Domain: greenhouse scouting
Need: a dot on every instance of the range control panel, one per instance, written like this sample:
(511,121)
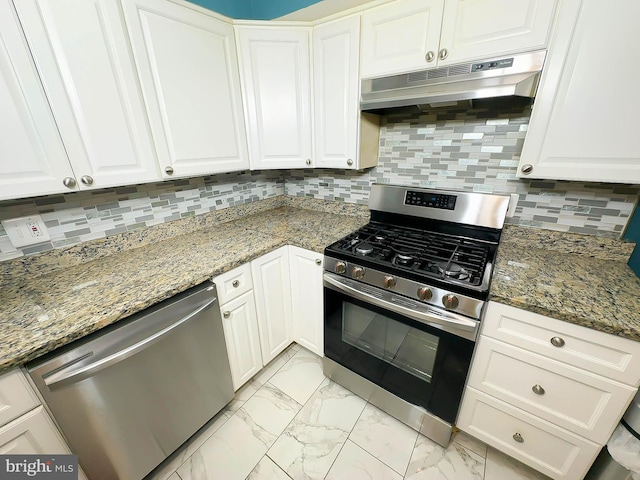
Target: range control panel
(432,200)
(504,63)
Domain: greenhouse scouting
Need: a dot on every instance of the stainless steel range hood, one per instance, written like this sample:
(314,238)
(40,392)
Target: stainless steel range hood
(514,75)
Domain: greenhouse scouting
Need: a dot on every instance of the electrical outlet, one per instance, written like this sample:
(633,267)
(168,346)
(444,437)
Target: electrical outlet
(26,231)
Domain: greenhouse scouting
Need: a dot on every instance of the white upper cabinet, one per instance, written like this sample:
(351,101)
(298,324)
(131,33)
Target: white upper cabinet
(473,29)
(585,123)
(408,35)
(33,160)
(85,64)
(399,36)
(338,125)
(276,78)
(187,65)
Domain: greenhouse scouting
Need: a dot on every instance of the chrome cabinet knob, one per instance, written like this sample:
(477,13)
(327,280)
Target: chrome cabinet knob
(308,162)
(340,267)
(389,281)
(425,293)
(527,169)
(538,390)
(357,273)
(168,170)
(430,56)
(349,162)
(69,182)
(557,342)
(226,314)
(518,438)
(235,283)
(444,53)
(450,301)
(318,261)
(86,180)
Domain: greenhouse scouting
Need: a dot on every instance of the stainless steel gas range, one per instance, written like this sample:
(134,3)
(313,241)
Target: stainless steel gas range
(403,298)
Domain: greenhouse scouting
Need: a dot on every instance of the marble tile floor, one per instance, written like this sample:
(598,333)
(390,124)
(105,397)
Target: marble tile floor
(290,422)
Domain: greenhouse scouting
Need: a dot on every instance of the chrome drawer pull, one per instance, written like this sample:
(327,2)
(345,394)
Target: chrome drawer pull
(235,283)
(518,438)
(538,390)
(557,342)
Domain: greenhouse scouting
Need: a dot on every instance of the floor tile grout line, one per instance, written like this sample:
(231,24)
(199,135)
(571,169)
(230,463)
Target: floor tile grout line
(293,419)
(381,461)
(415,445)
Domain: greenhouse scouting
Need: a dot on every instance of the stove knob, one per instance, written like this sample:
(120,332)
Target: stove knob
(357,273)
(424,294)
(450,301)
(340,267)
(389,281)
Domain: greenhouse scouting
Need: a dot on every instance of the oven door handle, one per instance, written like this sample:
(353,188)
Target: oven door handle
(452,323)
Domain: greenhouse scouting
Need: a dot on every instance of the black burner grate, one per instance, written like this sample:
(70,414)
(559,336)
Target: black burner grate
(433,254)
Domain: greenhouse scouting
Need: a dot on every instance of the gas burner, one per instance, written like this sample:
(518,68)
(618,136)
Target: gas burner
(379,237)
(452,270)
(404,260)
(364,249)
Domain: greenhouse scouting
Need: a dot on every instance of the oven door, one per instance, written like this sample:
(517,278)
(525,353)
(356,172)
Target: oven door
(411,350)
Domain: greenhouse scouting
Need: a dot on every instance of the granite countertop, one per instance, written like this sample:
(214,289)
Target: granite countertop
(40,314)
(576,278)
(580,279)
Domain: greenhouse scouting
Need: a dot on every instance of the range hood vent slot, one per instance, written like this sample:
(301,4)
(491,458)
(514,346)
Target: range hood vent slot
(517,75)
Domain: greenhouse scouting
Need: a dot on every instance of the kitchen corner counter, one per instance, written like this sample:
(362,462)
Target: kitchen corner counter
(589,285)
(41,313)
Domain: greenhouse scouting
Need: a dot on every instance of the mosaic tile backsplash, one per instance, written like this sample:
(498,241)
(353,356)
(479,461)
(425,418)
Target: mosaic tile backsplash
(476,150)
(74,218)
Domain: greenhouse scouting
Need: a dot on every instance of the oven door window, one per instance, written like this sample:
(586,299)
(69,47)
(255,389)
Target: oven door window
(419,363)
(407,348)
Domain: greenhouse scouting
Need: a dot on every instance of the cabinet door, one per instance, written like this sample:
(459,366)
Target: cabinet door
(16,396)
(585,120)
(33,160)
(277,86)
(87,69)
(306,298)
(336,92)
(188,68)
(398,37)
(32,433)
(476,29)
(272,290)
(241,335)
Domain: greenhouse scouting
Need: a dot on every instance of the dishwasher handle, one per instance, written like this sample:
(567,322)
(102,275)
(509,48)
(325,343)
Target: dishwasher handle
(66,377)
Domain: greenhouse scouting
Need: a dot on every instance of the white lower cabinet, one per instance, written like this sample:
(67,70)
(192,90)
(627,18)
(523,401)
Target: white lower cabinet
(272,288)
(547,392)
(241,334)
(306,298)
(25,426)
(541,445)
(269,303)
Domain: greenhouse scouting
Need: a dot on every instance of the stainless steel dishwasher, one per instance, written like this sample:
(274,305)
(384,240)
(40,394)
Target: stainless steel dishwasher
(127,396)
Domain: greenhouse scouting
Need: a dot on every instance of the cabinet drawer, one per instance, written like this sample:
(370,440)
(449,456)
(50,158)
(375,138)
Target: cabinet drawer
(234,283)
(514,375)
(16,396)
(607,355)
(551,450)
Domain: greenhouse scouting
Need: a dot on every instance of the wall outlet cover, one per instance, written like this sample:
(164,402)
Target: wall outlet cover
(25,231)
